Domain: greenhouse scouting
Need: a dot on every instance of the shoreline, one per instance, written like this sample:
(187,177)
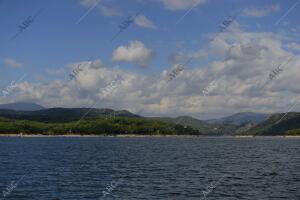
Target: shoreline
(74,135)
(143,136)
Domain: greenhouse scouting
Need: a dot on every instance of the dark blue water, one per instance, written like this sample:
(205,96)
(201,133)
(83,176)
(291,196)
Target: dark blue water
(150,168)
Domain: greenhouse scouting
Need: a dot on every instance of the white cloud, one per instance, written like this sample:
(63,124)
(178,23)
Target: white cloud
(240,65)
(136,53)
(13,63)
(182,4)
(143,21)
(261,12)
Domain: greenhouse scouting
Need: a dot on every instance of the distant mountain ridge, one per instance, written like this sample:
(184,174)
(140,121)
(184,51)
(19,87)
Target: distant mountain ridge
(278,124)
(241,118)
(203,126)
(22,106)
(64,114)
(238,124)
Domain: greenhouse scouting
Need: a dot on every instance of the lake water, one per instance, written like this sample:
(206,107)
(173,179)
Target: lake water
(174,168)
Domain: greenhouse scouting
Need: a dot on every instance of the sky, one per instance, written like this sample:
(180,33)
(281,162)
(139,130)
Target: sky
(152,57)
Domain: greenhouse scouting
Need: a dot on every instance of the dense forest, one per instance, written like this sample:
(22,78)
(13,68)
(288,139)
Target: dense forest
(95,126)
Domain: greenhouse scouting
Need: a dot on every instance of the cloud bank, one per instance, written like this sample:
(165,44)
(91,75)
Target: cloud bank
(238,62)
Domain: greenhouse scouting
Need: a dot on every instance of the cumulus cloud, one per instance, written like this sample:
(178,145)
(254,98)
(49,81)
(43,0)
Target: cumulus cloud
(13,63)
(239,69)
(182,5)
(143,21)
(135,52)
(261,12)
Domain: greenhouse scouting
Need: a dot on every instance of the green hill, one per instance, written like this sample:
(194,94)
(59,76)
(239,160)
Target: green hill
(96,126)
(274,126)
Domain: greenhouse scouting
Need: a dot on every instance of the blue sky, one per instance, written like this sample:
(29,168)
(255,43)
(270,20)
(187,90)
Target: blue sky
(48,48)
